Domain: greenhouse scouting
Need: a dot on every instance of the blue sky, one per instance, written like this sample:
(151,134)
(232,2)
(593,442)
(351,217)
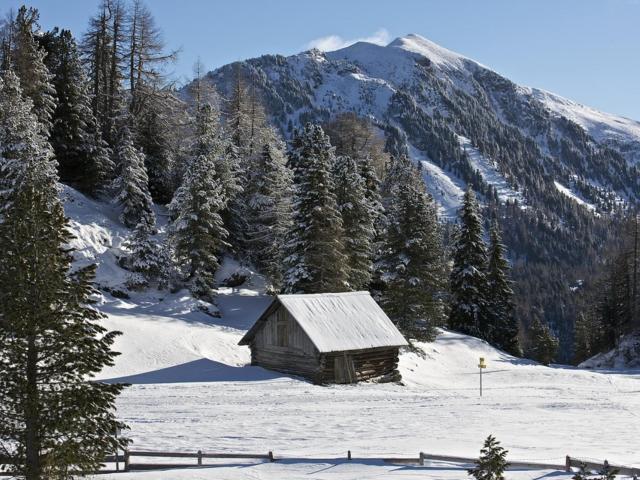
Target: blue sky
(586,50)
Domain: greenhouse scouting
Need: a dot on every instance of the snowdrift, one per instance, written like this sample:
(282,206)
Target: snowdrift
(624,356)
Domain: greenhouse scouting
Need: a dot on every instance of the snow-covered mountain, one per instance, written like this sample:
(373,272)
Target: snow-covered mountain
(430,96)
(550,168)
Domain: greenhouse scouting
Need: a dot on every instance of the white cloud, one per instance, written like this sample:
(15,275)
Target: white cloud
(336,42)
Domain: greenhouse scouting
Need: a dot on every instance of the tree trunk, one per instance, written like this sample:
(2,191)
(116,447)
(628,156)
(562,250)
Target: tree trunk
(33,468)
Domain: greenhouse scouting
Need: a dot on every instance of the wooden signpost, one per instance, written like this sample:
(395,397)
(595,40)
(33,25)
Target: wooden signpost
(481,366)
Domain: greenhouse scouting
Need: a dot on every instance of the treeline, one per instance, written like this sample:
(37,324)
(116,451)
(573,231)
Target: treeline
(612,300)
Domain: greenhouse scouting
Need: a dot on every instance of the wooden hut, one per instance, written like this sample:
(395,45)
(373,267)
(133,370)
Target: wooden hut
(327,338)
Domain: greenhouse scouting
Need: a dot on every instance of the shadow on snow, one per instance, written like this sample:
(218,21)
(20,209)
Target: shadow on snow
(203,370)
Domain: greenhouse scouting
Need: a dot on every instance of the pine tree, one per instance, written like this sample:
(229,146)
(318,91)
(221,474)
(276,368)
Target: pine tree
(587,337)
(492,462)
(20,139)
(83,157)
(27,60)
(468,283)
(198,232)
(53,420)
(148,259)
(372,192)
(211,140)
(502,326)
(315,260)
(543,345)
(413,259)
(607,472)
(269,211)
(132,183)
(358,220)
(582,473)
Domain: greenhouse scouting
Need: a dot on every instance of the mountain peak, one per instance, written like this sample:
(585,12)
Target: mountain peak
(422,46)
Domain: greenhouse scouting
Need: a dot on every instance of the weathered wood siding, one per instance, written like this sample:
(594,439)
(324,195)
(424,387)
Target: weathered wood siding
(351,367)
(283,346)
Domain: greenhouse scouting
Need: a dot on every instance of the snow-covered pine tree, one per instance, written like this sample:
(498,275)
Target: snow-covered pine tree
(358,220)
(197,231)
(53,420)
(83,156)
(501,325)
(27,60)
(492,462)
(21,140)
(132,183)
(211,140)
(372,191)
(148,259)
(315,260)
(468,282)
(269,210)
(543,344)
(413,260)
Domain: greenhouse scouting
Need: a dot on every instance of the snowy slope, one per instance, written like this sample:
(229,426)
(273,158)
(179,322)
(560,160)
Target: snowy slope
(625,356)
(574,196)
(193,389)
(603,127)
(446,189)
(489,171)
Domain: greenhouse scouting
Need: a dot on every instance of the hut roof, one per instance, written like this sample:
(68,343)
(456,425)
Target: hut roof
(337,322)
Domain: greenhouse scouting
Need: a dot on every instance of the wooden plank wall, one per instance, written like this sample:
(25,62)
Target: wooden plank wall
(366,364)
(299,356)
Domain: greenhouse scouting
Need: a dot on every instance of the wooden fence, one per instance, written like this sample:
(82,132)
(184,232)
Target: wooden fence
(199,456)
(569,463)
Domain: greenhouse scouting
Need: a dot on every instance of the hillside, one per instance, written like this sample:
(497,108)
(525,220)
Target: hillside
(189,373)
(551,169)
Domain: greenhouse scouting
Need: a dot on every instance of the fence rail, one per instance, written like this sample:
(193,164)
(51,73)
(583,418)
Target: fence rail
(199,456)
(569,463)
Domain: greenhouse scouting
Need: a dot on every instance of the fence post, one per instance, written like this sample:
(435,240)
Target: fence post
(126,460)
(567,464)
(271,456)
(199,458)
(348,454)
(421,458)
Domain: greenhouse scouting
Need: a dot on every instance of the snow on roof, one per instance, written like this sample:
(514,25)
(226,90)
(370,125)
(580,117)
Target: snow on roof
(337,322)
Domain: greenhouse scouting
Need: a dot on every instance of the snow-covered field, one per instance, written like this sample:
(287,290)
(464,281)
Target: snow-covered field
(192,390)
(216,404)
